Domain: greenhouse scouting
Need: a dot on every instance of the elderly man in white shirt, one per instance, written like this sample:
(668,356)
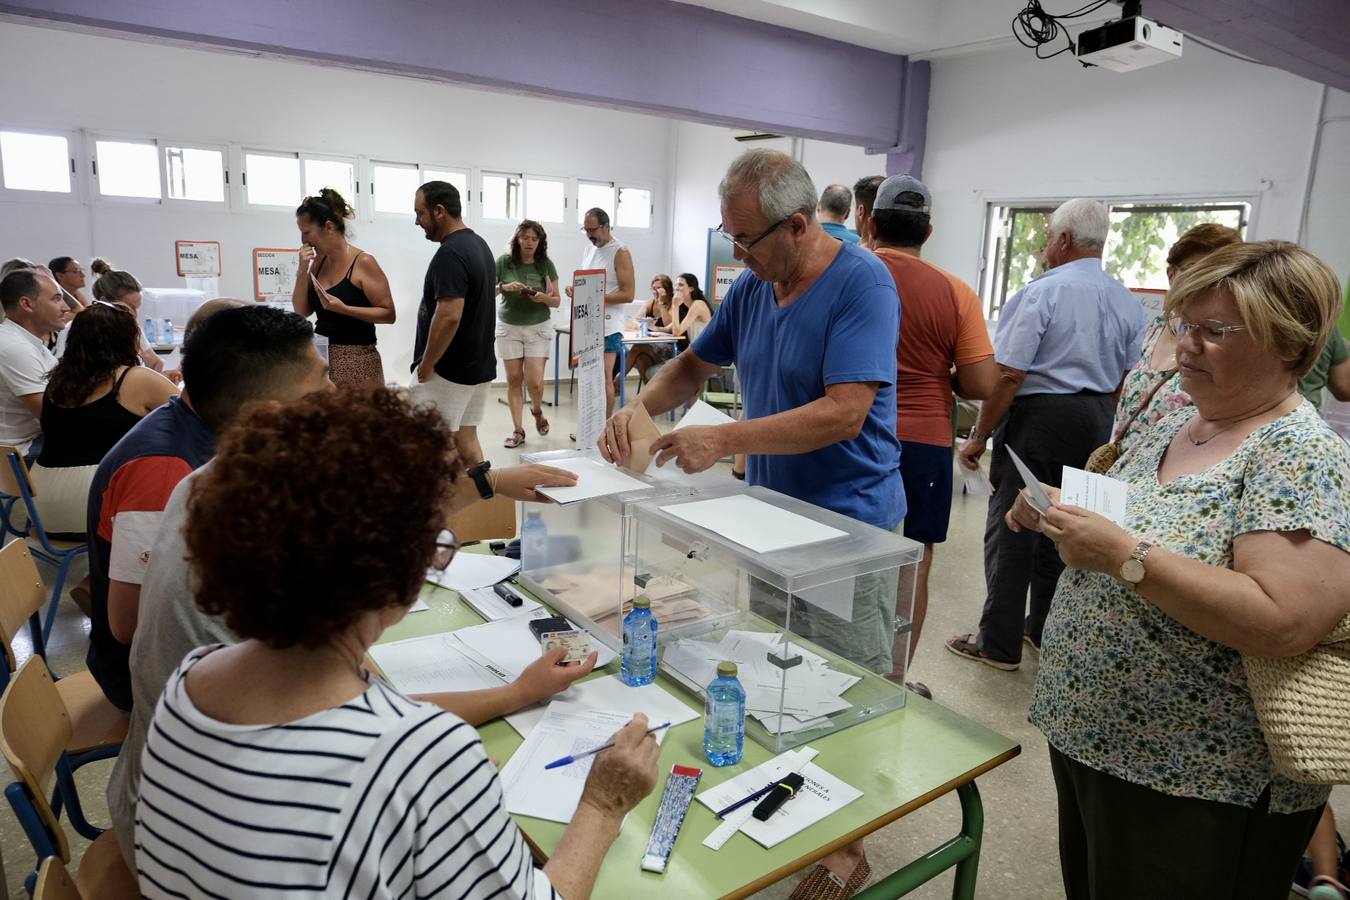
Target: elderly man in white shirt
(34,311)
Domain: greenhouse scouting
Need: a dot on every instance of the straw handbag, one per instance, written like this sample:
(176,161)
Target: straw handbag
(1303,705)
(1105,456)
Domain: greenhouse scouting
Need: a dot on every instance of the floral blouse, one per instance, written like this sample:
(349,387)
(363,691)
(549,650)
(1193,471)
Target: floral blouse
(1138,382)
(1125,689)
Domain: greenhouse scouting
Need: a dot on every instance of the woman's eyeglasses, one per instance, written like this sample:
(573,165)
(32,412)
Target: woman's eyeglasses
(446,547)
(1211,331)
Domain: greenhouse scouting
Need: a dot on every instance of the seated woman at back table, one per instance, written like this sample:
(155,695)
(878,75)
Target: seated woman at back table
(1234,550)
(695,314)
(96,393)
(379,795)
(70,276)
(662,313)
(116,286)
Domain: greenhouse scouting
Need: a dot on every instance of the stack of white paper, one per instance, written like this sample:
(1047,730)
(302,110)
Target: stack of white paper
(506,647)
(566,729)
(610,694)
(821,794)
(474,570)
(754,524)
(429,665)
(594,479)
(487,604)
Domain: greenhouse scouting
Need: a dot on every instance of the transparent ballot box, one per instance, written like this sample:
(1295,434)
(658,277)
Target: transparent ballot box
(585,565)
(814,607)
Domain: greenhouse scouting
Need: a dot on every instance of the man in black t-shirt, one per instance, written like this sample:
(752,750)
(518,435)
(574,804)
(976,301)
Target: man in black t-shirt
(453,357)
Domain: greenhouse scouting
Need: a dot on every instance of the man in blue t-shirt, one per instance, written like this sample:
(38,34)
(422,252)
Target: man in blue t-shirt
(812,329)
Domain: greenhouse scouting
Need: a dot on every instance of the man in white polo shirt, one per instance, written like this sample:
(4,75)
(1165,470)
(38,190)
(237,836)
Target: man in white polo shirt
(34,312)
(609,253)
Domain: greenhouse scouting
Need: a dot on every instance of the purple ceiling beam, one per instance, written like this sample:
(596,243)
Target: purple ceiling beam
(656,56)
(1310,38)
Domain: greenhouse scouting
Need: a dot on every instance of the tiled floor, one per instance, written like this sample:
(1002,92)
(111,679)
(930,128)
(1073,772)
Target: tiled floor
(1019,860)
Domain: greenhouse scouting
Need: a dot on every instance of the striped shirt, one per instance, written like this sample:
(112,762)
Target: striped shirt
(382,797)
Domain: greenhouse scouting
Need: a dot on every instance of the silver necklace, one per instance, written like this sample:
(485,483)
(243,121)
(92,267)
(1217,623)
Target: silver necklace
(1190,427)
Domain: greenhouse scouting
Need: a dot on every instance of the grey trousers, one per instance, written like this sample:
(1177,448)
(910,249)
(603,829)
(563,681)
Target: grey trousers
(1048,431)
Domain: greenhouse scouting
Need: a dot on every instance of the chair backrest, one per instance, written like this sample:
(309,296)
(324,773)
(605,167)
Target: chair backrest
(9,481)
(34,731)
(22,593)
(55,883)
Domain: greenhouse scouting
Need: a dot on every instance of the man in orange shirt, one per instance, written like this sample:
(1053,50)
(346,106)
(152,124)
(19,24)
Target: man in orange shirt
(944,346)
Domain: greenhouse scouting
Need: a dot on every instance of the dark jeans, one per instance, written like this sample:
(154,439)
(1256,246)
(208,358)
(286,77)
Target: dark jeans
(1123,841)
(1048,431)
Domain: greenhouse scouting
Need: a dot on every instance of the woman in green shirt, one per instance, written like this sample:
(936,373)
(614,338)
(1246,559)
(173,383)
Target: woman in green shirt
(528,283)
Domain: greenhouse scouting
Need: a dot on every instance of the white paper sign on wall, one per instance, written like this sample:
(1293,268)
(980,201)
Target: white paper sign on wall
(723,278)
(198,258)
(274,271)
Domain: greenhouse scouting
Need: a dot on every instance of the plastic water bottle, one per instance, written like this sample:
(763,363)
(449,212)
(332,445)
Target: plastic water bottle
(644,327)
(724,718)
(533,543)
(639,645)
(150,336)
(167,334)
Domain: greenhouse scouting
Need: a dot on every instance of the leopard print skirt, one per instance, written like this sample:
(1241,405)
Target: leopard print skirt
(355,365)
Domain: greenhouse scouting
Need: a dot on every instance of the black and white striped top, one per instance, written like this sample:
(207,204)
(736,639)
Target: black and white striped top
(382,797)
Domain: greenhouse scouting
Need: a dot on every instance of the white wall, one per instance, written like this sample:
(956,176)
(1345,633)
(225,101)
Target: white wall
(1005,126)
(66,80)
(701,154)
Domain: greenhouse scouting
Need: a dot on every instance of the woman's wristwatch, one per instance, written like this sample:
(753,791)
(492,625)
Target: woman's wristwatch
(977,435)
(1132,569)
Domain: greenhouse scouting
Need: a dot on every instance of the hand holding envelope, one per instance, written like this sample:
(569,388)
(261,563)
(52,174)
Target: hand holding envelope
(642,433)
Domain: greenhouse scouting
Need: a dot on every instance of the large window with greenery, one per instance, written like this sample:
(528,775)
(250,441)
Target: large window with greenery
(1136,248)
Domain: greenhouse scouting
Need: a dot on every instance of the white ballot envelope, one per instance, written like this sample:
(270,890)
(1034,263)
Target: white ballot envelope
(1036,494)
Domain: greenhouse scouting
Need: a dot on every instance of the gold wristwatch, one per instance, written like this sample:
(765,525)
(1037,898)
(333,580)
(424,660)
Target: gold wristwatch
(1132,569)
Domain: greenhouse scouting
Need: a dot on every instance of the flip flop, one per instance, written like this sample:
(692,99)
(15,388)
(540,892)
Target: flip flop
(540,423)
(822,884)
(515,440)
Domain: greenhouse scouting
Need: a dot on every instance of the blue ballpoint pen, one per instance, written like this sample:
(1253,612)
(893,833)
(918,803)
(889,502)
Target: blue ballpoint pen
(568,760)
(750,799)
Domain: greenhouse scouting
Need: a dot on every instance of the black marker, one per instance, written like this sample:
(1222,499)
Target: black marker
(510,596)
(778,795)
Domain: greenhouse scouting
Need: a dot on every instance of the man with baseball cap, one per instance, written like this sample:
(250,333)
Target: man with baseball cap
(942,327)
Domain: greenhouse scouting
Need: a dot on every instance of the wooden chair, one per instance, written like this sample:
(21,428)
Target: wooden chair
(55,883)
(97,727)
(34,729)
(14,480)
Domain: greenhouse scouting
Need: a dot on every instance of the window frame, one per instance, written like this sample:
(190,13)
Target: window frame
(247,150)
(96,194)
(554,179)
(466,201)
(374,187)
(356,200)
(991,282)
(614,203)
(226,160)
(483,174)
(75,151)
(619,187)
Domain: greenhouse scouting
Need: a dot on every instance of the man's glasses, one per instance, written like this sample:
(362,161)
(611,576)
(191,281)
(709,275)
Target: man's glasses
(744,246)
(446,547)
(1211,331)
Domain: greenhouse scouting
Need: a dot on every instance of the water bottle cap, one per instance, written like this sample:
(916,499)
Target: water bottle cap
(642,601)
(727,669)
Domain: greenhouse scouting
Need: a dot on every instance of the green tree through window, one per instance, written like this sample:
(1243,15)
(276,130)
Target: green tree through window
(1136,247)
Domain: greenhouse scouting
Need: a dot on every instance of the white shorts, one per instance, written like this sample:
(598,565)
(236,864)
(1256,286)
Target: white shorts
(461,405)
(530,341)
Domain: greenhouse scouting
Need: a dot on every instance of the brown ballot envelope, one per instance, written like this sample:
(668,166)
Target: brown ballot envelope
(642,433)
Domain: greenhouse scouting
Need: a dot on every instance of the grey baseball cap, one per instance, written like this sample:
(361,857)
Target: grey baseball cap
(888,195)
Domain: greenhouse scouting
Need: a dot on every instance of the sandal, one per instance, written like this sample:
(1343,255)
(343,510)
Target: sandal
(515,440)
(964,645)
(540,423)
(822,884)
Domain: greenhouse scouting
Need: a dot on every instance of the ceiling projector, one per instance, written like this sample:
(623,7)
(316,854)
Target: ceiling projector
(1128,44)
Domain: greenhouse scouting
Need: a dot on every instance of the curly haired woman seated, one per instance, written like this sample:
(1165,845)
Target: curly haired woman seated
(279,765)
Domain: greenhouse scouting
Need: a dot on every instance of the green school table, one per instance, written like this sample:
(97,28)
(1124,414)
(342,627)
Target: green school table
(900,761)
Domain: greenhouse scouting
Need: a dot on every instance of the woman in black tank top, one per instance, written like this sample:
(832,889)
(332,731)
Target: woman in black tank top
(348,308)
